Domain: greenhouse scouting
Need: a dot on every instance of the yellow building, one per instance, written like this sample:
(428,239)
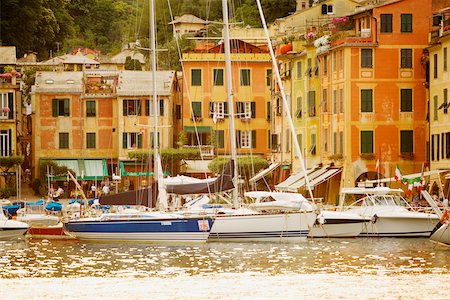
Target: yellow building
(205,107)
(439,86)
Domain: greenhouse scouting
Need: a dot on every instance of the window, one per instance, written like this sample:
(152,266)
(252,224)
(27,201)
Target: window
(386,23)
(341,101)
(246,138)
(327,9)
(406,141)
(312,148)
(437,147)
(220,139)
(245,110)
(334,142)
(288,140)
(335,102)
(435,65)
(274,141)
(152,139)
(312,103)
(269,111)
(341,60)
(60,107)
(444,54)
(446,104)
(91,109)
(196,77)
(316,67)
(334,61)
(63,140)
(341,142)
(406,100)
(245,77)
(131,107)
(447,145)
(325,100)
(366,58)
(300,141)
(220,109)
(299,70)
(432,146)
(406,23)
(268,77)
(131,140)
(367,142)
(443,145)
(6,105)
(435,100)
(90,140)
(366,101)
(5,142)
(178,111)
(309,67)
(325,65)
(298,112)
(197,109)
(218,77)
(149,108)
(325,140)
(406,58)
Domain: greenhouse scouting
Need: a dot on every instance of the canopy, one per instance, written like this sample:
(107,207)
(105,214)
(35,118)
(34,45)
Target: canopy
(85,169)
(122,165)
(200,129)
(264,172)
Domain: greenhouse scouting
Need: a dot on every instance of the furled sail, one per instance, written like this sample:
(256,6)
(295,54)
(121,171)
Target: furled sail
(223,182)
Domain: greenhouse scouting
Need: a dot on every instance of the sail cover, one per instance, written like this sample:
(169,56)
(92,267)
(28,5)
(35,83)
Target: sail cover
(223,182)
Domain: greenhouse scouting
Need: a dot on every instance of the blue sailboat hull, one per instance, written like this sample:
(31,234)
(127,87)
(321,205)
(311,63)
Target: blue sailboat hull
(142,230)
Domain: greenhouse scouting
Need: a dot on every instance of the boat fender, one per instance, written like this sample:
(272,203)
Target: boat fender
(444,217)
(321,219)
(374,219)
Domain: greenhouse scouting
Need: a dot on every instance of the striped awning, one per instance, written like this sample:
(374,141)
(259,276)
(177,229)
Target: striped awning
(85,169)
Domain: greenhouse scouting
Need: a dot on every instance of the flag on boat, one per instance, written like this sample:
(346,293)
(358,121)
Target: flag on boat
(398,175)
(410,188)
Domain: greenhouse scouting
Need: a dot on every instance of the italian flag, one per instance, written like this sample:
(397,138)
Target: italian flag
(398,175)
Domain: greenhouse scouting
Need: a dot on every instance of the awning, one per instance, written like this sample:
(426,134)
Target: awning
(136,165)
(200,129)
(264,172)
(324,177)
(408,176)
(316,176)
(85,169)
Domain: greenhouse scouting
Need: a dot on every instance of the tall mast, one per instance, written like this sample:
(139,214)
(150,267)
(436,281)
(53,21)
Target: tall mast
(226,42)
(283,96)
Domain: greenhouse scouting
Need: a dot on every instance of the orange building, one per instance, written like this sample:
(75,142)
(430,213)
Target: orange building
(205,99)
(374,80)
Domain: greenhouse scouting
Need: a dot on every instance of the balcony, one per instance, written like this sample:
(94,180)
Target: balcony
(352,37)
(205,150)
(97,89)
(366,116)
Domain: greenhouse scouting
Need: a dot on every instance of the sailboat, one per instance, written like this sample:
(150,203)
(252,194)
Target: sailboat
(133,225)
(10,229)
(245,224)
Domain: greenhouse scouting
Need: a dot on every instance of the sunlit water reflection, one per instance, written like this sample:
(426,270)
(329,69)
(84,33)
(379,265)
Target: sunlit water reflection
(365,267)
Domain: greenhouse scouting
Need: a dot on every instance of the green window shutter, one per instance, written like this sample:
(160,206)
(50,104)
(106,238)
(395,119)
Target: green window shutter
(334,142)
(161,107)
(220,139)
(197,109)
(124,140)
(268,77)
(225,109)
(406,23)
(406,141)
(238,138)
(211,109)
(366,141)
(196,77)
(386,23)
(125,102)
(66,107)
(138,105)
(253,138)
(366,101)
(269,108)
(55,107)
(11,105)
(253,108)
(406,100)
(139,141)
(341,142)
(366,58)
(147,107)
(218,77)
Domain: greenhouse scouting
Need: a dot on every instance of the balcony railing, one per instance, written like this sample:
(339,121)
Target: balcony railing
(205,150)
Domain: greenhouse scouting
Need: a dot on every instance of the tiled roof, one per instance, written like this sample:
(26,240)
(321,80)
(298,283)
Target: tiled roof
(58,82)
(188,19)
(139,83)
(122,56)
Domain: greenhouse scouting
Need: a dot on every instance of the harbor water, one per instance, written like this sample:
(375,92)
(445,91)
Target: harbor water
(363,268)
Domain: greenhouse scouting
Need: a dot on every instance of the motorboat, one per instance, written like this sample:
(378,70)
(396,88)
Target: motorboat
(35,215)
(390,213)
(327,224)
(10,229)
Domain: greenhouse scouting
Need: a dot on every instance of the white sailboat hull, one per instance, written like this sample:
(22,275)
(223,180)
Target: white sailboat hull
(442,235)
(10,229)
(266,227)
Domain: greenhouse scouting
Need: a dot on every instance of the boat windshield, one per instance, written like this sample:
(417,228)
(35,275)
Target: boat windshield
(380,200)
